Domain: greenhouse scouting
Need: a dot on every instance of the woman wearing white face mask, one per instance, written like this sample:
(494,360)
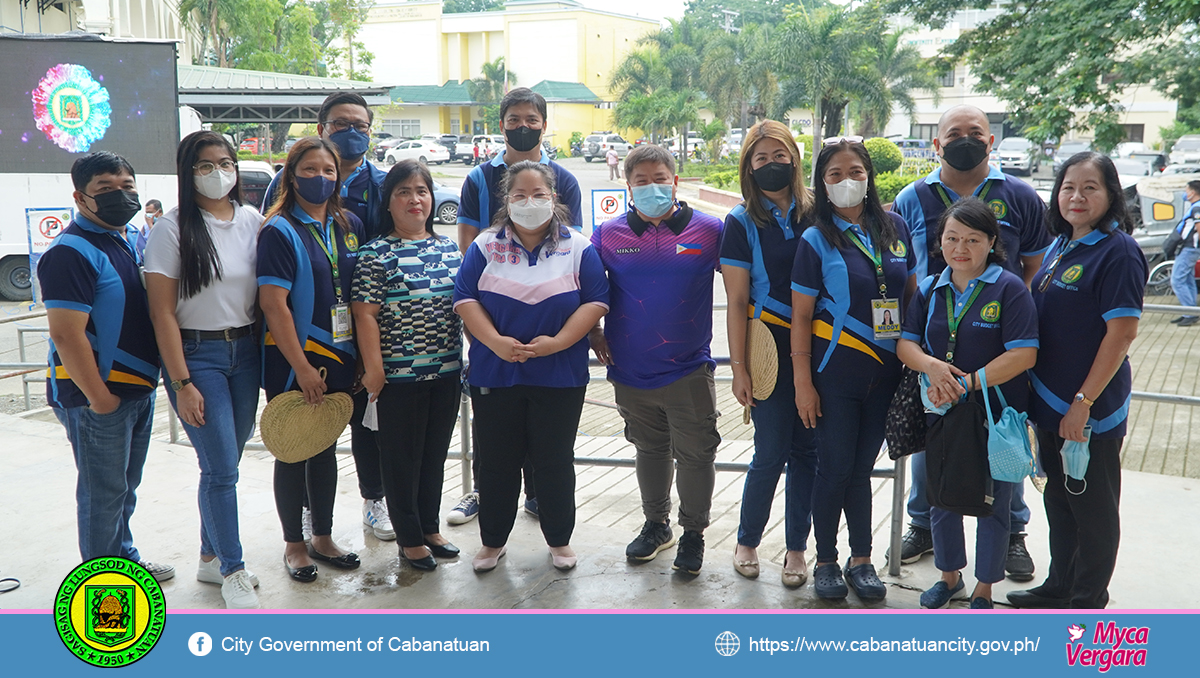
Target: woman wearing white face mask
(529,290)
(200,279)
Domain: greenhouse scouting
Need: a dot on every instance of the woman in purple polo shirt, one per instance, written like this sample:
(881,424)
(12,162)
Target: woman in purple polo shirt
(529,290)
(1088,293)
(991,315)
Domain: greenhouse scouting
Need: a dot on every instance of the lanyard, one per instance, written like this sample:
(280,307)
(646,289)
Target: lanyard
(876,258)
(987,186)
(329,246)
(952,319)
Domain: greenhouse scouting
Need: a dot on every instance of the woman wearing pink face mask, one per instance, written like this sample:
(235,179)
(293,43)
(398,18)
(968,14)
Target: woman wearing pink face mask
(529,290)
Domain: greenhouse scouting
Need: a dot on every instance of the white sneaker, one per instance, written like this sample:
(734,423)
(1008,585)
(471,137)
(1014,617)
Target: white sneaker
(210,573)
(375,516)
(466,510)
(238,591)
(306,524)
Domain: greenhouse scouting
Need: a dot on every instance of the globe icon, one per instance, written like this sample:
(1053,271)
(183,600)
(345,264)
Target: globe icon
(728,644)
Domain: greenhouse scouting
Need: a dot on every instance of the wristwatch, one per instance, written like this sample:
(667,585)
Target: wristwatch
(178,384)
(1081,398)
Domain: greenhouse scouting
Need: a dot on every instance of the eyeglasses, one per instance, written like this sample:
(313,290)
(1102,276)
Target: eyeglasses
(206,168)
(834,141)
(1045,283)
(340,125)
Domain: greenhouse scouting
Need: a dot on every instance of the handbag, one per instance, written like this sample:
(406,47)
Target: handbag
(904,427)
(1009,454)
(1172,244)
(957,477)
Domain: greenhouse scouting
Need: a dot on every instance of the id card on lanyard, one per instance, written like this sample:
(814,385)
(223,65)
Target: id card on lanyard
(953,319)
(339,314)
(885,313)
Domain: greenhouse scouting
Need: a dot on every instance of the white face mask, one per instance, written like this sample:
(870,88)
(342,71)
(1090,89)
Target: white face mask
(216,184)
(847,193)
(531,214)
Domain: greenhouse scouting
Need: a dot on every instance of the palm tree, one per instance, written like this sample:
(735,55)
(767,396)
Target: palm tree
(490,86)
(737,76)
(210,18)
(903,70)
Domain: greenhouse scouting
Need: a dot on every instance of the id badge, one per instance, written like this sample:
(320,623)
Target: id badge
(885,318)
(342,328)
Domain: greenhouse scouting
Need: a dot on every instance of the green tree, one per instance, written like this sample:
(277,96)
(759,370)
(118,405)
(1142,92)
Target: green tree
(885,155)
(353,61)
(710,15)
(489,88)
(903,71)
(713,134)
(737,75)
(459,6)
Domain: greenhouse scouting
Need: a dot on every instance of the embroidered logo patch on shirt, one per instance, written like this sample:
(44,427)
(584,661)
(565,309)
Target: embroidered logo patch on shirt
(688,248)
(1072,274)
(991,312)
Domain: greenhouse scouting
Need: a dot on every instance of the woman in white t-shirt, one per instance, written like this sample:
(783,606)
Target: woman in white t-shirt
(200,278)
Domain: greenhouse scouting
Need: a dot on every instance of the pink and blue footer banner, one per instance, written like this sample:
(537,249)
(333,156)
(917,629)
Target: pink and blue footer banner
(110,625)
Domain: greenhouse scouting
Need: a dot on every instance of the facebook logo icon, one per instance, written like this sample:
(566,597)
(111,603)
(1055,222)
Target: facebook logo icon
(200,643)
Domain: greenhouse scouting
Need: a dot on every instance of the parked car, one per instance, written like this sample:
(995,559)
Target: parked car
(1068,149)
(1189,168)
(596,145)
(445,204)
(1019,155)
(254,145)
(1132,167)
(386,145)
(1157,161)
(255,175)
(1186,149)
(423,150)
(1124,148)
(287,145)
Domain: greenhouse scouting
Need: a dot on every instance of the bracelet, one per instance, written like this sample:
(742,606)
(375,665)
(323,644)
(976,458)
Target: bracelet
(735,362)
(796,353)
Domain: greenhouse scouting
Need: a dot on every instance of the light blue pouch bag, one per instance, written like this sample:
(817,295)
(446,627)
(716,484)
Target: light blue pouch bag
(923,381)
(1009,453)
(1075,457)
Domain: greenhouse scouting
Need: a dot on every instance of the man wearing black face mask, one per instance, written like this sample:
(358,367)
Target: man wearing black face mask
(963,143)
(102,391)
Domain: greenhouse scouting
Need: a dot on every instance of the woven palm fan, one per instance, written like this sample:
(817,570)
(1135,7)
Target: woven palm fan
(294,431)
(762,362)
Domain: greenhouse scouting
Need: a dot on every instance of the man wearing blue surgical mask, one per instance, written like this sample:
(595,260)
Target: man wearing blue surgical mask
(345,119)
(660,257)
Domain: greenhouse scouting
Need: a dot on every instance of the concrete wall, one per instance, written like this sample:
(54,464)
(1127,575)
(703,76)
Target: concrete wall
(118,18)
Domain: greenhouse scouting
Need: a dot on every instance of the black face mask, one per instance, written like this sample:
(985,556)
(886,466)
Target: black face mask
(116,208)
(523,139)
(965,153)
(774,176)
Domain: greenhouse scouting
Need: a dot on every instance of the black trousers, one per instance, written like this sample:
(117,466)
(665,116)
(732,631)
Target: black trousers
(416,421)
(315,479)
(519,423)
(526,470)
(365,451)
(1085,528)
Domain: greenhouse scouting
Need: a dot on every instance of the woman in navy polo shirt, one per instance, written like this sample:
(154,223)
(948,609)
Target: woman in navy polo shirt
(1088,293)
(853,267)
(306,256)
(757,252)
(991,315)
(529,290)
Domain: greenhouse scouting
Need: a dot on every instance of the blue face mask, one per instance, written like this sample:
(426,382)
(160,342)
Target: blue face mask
(653,200)
(316,190)
(351,143)
(1075,457)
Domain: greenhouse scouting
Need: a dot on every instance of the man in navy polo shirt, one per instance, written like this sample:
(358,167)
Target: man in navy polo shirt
(963,143)
(660,257)
(345,119)
(523,116)
(104,361)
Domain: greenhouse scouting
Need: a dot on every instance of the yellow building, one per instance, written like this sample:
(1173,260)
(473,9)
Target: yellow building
(561,49)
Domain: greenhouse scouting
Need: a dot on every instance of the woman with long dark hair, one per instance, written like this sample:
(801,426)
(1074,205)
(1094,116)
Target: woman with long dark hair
(200,280)
(306,256)
(855,265)
(411,344)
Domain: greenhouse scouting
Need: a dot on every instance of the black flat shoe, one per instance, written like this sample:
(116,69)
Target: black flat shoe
(427,564)
(1034,599)
(347,562)
(306,574)
(443,550)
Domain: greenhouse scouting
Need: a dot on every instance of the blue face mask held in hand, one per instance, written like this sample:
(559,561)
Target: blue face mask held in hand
(1075,458)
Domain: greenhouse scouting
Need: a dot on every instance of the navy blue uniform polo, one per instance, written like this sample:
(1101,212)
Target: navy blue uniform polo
(94,270)
(360,195)
(1017,207)
(481,199)
(1001,318)
(768,253)
(290,257)
(1100,277)
(843,281)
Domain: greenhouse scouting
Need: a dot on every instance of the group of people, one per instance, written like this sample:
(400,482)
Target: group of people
(341,285)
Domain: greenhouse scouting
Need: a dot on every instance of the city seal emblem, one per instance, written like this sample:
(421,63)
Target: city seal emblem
(899,249)
(998,208)
(110,612)
(1073,274)
(991,312)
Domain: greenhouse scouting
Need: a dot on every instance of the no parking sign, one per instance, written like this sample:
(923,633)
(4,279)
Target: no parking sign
(607,203)
(43,225)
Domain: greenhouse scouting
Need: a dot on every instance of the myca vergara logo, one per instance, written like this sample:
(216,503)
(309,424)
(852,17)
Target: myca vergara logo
(1111,646)
(110,612)
(991,312)
(1072,274)
(998,208)
(899,249)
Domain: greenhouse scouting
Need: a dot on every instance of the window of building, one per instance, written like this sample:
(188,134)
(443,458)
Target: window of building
(454,126)
(926,132)
(947,79)
(1135,132)
(402,128)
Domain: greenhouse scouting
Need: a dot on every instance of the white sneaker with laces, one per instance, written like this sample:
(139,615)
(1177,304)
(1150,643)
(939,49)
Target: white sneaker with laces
(238,591)
(306,523)
(210,573)
(375,516)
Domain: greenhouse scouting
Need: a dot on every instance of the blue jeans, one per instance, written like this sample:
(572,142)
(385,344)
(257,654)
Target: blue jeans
(1183,276)
(780,440)
(918,506)
(991,539)
(226,374)
(110,451)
